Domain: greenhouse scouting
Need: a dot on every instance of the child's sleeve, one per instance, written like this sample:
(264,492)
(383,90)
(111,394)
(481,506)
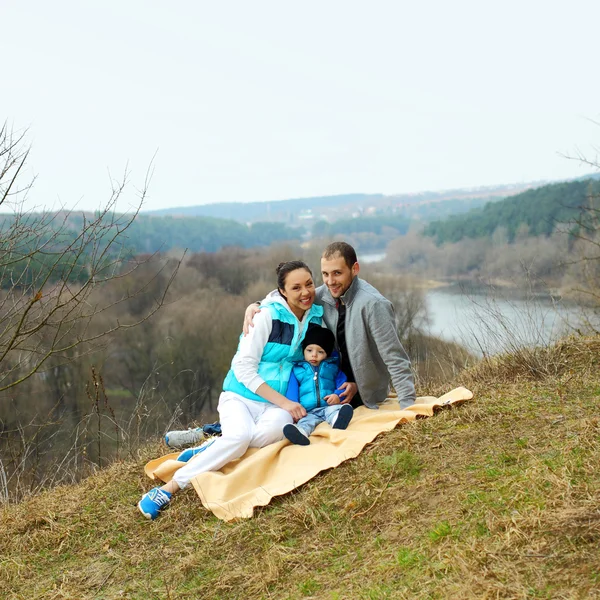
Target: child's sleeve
(293,390)
(340,379)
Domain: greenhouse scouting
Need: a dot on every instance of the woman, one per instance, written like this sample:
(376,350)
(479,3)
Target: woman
(252,407)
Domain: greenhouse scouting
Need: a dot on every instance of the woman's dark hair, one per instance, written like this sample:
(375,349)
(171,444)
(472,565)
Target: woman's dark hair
(284,268)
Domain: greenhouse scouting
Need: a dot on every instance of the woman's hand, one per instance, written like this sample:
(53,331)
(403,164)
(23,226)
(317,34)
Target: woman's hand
(295,409)
(332,399)
(349,392)
(249,317)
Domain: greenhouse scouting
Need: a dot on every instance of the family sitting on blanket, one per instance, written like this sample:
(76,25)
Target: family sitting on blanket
(252,408)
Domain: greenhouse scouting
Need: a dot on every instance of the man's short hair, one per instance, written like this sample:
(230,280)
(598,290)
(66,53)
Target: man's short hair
(346,251)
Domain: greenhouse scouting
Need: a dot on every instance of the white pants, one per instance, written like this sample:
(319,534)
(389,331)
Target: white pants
(244,424)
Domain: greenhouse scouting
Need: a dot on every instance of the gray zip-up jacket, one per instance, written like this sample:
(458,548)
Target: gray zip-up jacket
(374,348)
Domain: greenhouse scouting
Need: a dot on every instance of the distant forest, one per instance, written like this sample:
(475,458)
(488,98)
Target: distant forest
(203,234)
(539,210)
(528,215)
(545,237)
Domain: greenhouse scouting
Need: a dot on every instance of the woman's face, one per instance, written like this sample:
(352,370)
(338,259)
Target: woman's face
(299,291)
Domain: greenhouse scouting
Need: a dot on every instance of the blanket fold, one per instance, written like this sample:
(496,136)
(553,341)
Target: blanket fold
(262,473)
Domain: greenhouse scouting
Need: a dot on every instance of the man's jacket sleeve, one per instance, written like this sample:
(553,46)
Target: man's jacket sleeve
(383,331)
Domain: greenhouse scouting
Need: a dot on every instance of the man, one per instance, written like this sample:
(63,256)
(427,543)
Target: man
(364,325)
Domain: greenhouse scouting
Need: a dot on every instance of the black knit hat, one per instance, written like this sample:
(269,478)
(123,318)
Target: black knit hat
(320,336)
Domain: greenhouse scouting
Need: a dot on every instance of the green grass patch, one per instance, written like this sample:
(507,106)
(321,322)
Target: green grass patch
(402,463)
(441,530)
(407,558)
(309,587)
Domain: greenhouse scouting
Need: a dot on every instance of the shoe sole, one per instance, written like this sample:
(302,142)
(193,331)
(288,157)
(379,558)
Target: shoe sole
(344,417)
(295,436)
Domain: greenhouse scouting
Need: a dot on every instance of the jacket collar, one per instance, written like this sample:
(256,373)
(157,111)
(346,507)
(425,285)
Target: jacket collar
(333,359)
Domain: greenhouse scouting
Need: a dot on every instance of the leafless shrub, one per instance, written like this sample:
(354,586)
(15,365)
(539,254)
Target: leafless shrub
(582,277)
(520,335)
(407,297)
(67,288)
(435,361)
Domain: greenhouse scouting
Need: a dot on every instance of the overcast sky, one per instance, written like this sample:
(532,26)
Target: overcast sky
(266,100)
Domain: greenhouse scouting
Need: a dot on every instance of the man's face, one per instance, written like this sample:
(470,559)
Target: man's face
(337,275)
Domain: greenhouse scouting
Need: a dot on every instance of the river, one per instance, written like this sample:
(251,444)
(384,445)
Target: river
(489,323)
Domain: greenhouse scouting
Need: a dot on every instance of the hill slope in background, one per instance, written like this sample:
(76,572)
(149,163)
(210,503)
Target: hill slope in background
(497,498)
(298,210)
(280,210)
(372,220)
(540,209)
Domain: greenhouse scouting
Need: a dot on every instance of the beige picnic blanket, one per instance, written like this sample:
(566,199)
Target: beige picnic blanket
(253,479)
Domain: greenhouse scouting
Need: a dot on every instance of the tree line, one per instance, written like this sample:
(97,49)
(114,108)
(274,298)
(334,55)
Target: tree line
(34,244)
(540,210)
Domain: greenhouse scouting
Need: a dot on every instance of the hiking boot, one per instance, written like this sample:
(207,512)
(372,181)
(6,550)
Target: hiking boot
(344,417)
(295,435)
(153,502)
(186,437)
(191,452)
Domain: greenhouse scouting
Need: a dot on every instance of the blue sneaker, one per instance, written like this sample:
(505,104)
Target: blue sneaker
(344,417)
(295,435)
(191,452)
(153,502)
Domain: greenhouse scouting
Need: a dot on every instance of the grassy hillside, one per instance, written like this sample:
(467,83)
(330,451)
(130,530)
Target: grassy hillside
(497,498)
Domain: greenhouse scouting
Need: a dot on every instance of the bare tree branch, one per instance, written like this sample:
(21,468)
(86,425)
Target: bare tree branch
(56,269)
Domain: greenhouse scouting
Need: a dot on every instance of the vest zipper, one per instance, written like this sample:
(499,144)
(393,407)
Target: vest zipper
(316,380)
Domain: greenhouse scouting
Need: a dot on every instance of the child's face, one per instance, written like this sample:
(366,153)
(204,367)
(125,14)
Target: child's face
(314,354)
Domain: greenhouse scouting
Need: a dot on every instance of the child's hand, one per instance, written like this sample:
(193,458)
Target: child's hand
(332,399)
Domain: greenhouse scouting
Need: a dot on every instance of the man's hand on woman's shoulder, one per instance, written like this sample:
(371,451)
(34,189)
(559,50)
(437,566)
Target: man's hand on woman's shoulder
(249,317)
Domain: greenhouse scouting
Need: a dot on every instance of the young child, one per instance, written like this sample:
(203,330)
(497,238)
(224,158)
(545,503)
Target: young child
(315,383)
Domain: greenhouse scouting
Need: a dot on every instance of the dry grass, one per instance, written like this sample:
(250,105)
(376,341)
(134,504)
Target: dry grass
(436,361)
(497,498)
(568,357)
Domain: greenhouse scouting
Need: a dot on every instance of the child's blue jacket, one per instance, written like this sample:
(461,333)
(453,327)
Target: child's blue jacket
(309,385)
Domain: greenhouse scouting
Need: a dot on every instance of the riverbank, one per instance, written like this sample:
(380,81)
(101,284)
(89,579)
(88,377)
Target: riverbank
(521,290)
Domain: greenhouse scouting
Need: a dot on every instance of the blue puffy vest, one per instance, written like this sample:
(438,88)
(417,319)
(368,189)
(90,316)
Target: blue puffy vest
(281,350)
(311,389)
